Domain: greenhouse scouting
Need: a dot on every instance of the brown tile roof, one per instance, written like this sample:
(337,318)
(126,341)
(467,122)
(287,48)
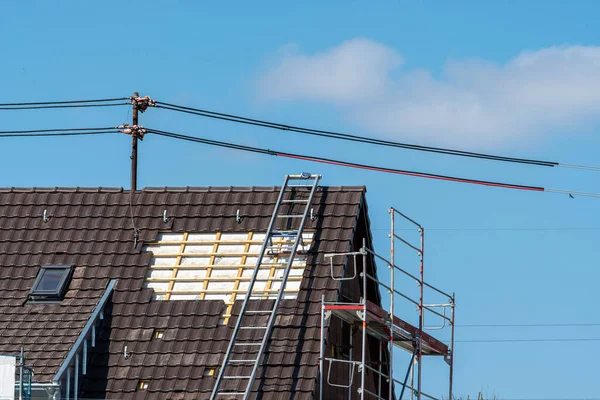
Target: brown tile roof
(91,229)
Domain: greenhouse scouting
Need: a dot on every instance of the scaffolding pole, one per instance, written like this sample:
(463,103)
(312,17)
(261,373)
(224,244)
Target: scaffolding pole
(421,313)
(392,283)
(451,355)
(364,321)
(322,349)
(374,321)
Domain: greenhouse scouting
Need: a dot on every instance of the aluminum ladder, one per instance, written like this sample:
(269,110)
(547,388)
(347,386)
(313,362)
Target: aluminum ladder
(302,181)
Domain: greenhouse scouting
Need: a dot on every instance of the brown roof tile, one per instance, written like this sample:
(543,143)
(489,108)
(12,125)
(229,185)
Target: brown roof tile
(91,229)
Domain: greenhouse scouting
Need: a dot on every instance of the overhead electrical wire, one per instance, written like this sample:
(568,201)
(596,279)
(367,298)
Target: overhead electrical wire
(363,166)
(66,104)
(58,132)
(364,139)
(63,106)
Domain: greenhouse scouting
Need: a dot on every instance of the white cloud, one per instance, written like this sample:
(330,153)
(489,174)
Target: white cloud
(351,72)
(473,104)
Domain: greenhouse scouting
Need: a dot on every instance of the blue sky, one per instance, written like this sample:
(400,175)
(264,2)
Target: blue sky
(514,78)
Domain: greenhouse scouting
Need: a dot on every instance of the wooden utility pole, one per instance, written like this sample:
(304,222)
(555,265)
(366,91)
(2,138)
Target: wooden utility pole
(134,144)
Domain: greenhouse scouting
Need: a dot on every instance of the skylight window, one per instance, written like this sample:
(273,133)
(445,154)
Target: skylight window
(51,282)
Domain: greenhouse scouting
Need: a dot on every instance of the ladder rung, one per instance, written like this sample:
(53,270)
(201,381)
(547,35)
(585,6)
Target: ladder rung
(285,253)
(242,361)
(267,280)
(290,216)
(231,394)
(253,327)
(279,249)
(281,264)
(304,176)
(237,377)
(248,344)
(294,201)
(259,311)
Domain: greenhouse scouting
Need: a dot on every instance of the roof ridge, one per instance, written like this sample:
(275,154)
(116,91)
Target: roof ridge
(61,189)
(161,189)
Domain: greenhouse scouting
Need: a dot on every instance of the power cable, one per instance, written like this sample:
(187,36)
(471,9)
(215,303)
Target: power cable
(62,106)
(364,166)
(63,102)
(341,163)
(58,132)
(364,139)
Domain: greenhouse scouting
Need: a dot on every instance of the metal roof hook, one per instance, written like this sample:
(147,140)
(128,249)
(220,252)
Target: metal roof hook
(238,216)
(313,216)
(126,355)
(341,278)
(165,217)
(305,175)
(45,217)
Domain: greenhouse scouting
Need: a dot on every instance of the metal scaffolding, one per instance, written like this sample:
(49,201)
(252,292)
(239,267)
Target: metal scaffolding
(380,323)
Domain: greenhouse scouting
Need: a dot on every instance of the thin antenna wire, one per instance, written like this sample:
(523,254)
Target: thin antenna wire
(554,325)
(572,193)
(588,167)
(528,340)
(128,115)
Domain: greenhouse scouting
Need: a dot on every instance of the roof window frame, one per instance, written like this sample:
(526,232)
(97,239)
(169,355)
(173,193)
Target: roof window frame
(57,294)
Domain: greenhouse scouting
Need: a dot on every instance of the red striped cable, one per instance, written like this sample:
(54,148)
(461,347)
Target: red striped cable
(369,167)
(409,173)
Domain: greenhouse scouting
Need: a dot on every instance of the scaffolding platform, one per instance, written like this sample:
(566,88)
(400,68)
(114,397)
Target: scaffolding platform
(377,325)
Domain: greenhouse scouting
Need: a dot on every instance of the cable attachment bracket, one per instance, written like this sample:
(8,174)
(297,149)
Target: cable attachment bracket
(134,130)
(142,103)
